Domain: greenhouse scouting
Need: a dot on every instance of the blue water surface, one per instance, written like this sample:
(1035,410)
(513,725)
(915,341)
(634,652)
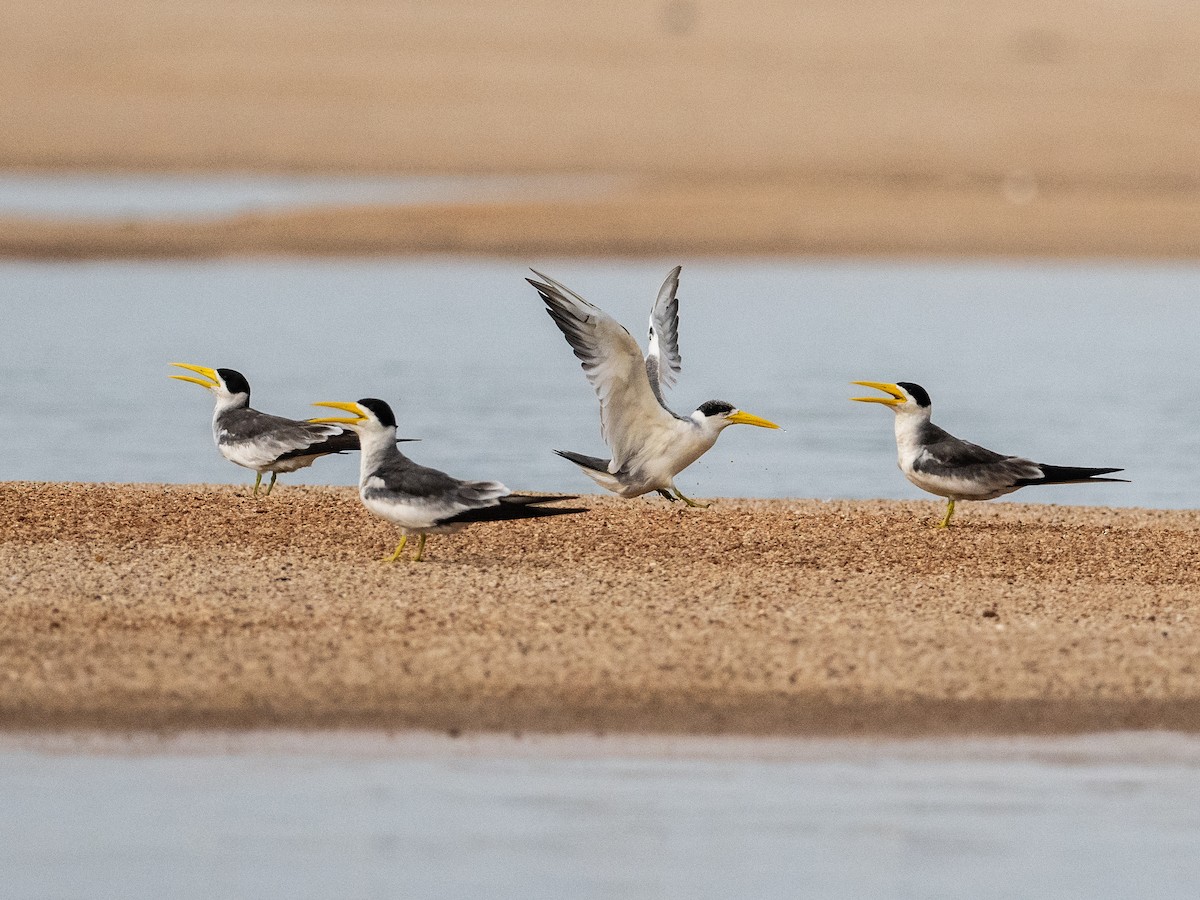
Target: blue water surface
(1072,364)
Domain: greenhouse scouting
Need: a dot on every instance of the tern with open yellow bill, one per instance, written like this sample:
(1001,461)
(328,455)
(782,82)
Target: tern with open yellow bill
(938,462)
(424,501)
(650,444)
(257,440)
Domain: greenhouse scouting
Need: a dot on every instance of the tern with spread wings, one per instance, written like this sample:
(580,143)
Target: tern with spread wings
(650,444)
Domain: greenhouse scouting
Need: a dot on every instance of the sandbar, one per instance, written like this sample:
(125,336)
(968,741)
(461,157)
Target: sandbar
(169,607)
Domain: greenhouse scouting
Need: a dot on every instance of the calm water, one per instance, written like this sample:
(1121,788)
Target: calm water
(1111,816)
(1070,364)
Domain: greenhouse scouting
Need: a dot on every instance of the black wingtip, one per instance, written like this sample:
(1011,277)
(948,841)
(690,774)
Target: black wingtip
(523,508)
(1073,475)
(341,442)
(533,499)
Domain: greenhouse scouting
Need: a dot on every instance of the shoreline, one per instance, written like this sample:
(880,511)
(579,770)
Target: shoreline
(1098,748)
(178,607)
(795,216)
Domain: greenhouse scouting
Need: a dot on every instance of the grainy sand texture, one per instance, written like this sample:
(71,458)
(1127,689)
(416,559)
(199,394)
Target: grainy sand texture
(940,126)
(194,606)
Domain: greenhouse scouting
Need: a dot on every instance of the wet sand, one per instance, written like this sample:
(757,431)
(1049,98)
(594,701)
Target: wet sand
(169,607)
(1012,128)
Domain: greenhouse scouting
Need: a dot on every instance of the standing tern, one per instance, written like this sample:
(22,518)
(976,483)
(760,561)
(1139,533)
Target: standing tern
(938,462)
(257,440)
(650,444)
(421,500)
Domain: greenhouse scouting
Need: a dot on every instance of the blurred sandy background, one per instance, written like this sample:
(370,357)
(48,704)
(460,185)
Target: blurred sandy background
(828,126)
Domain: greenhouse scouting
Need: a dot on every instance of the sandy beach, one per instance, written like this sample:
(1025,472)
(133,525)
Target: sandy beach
(171,607)
(1013,128)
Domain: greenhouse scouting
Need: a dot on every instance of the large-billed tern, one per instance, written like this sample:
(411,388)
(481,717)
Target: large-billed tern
(650,444)
(938,462)
(257,440)
(419,499)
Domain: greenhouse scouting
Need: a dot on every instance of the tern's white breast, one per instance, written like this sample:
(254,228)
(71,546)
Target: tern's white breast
(668,451)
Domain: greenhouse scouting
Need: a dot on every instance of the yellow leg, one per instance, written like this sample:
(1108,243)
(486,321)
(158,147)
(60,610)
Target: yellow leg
(690,502)
(420,549)
(399,548)
(257,482)
(271,485)
(945,523)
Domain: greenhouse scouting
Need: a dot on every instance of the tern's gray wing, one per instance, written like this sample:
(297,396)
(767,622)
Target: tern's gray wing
(631,415)
(943,455)
(399,479)
(260,439)
(343,442)
(663,362)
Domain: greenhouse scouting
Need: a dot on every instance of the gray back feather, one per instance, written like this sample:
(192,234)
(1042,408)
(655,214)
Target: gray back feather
(277,435)
(401,475)
(949,456)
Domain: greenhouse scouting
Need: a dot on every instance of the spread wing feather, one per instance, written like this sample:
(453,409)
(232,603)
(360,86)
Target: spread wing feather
(663,362)
(630,411)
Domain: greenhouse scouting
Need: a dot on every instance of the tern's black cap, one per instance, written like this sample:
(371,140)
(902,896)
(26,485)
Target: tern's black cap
(235,382)
(716,407)
(380,410)
(915,391)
